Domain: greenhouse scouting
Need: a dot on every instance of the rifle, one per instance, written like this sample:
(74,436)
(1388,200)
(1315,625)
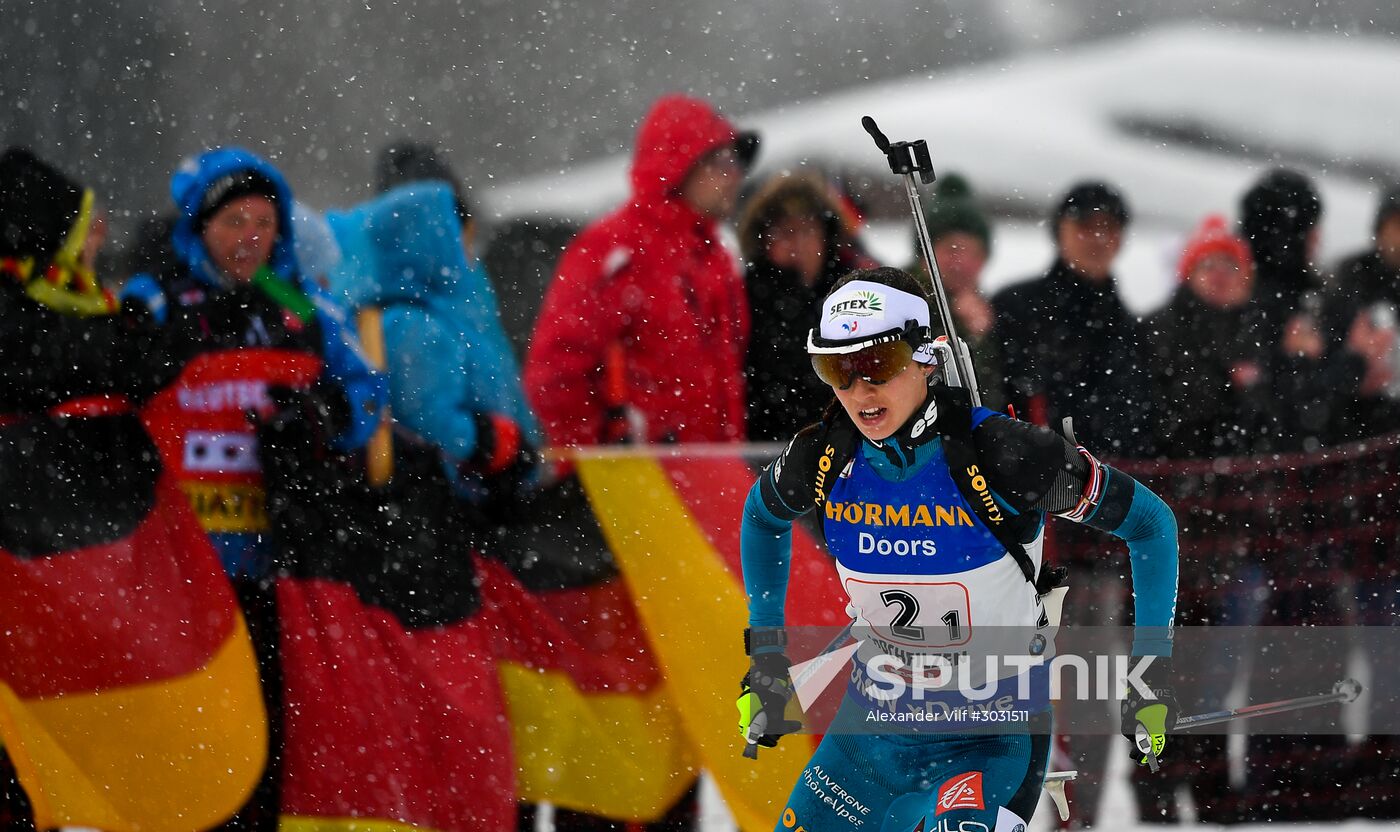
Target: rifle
(907,159)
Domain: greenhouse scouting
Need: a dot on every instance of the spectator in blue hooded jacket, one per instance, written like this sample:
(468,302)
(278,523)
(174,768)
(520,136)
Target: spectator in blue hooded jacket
(234,283)
(453,379)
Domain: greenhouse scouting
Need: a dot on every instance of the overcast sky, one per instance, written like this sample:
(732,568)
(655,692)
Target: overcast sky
(119,91)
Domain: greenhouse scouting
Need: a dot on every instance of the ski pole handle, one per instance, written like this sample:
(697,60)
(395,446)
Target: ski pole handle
(907,159)
(870,127)
(756,731)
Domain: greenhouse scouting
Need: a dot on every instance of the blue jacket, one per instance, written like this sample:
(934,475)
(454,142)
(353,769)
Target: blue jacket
(345,365)
(448,356)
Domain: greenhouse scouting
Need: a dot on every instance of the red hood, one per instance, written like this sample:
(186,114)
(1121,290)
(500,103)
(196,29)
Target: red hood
(673,136)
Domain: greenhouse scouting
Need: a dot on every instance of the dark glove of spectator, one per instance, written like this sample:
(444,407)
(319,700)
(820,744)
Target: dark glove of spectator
(295,436)
(1146,721)
(314,500)
(503,455)
(322,408)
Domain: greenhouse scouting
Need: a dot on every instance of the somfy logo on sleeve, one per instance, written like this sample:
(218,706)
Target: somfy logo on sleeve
(859,304)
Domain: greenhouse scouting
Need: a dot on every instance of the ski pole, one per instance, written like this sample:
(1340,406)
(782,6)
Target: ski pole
(1345,691)
(812,665)
(907,159)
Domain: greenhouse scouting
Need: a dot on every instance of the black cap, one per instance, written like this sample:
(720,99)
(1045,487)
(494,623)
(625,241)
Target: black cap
(746,145)
(38,206)
(229,187)
(1086,197)
(407,161)
(1282,204)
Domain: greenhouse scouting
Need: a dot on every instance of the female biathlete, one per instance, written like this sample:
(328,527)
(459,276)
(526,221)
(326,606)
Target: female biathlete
(934,512)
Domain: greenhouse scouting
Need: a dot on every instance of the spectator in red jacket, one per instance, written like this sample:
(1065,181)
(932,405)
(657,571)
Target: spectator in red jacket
(643,331)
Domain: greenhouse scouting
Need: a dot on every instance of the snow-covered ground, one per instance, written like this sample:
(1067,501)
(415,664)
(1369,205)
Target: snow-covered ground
(1024,130)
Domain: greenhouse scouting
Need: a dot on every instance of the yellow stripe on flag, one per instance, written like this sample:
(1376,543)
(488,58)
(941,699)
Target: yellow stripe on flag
(621,755)
(694,611)
(179,754)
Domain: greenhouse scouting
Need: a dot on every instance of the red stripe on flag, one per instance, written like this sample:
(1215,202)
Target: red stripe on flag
(591,633)
(714,490)
(152,606)
(388,724)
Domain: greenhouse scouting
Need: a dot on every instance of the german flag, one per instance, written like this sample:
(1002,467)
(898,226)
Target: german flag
(387,726)
(425,687)
(672,517)
(129,695)
(443,727)
(594,725)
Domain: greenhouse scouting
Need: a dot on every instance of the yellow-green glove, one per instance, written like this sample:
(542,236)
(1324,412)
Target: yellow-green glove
(763,696)
(1148,720)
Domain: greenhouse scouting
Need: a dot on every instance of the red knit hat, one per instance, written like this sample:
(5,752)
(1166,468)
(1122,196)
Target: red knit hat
(1213,237)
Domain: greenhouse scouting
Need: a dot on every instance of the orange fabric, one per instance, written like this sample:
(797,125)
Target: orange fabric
(506,444)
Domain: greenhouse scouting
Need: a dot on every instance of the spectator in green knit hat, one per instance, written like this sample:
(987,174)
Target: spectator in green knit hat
(953,209)
(962,242)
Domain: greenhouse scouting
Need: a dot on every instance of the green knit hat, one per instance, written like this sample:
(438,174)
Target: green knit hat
(953,207)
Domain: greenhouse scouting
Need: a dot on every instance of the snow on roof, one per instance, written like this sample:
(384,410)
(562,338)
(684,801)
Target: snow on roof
(1025,130)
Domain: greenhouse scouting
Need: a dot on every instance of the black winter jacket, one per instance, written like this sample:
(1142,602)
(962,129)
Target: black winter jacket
(1200,409)
(47,358)
(784,392)
(1073,343)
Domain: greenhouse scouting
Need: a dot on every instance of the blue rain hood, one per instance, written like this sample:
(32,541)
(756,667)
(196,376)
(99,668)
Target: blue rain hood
(403,252)
(404,247)
(187,188)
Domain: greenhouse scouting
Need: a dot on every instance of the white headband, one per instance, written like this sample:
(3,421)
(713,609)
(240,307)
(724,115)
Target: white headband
(861,310)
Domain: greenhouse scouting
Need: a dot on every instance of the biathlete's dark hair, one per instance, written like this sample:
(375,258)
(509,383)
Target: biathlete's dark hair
(886,276)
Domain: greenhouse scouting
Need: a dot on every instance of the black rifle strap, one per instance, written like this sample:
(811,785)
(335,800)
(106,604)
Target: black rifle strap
(955,428)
